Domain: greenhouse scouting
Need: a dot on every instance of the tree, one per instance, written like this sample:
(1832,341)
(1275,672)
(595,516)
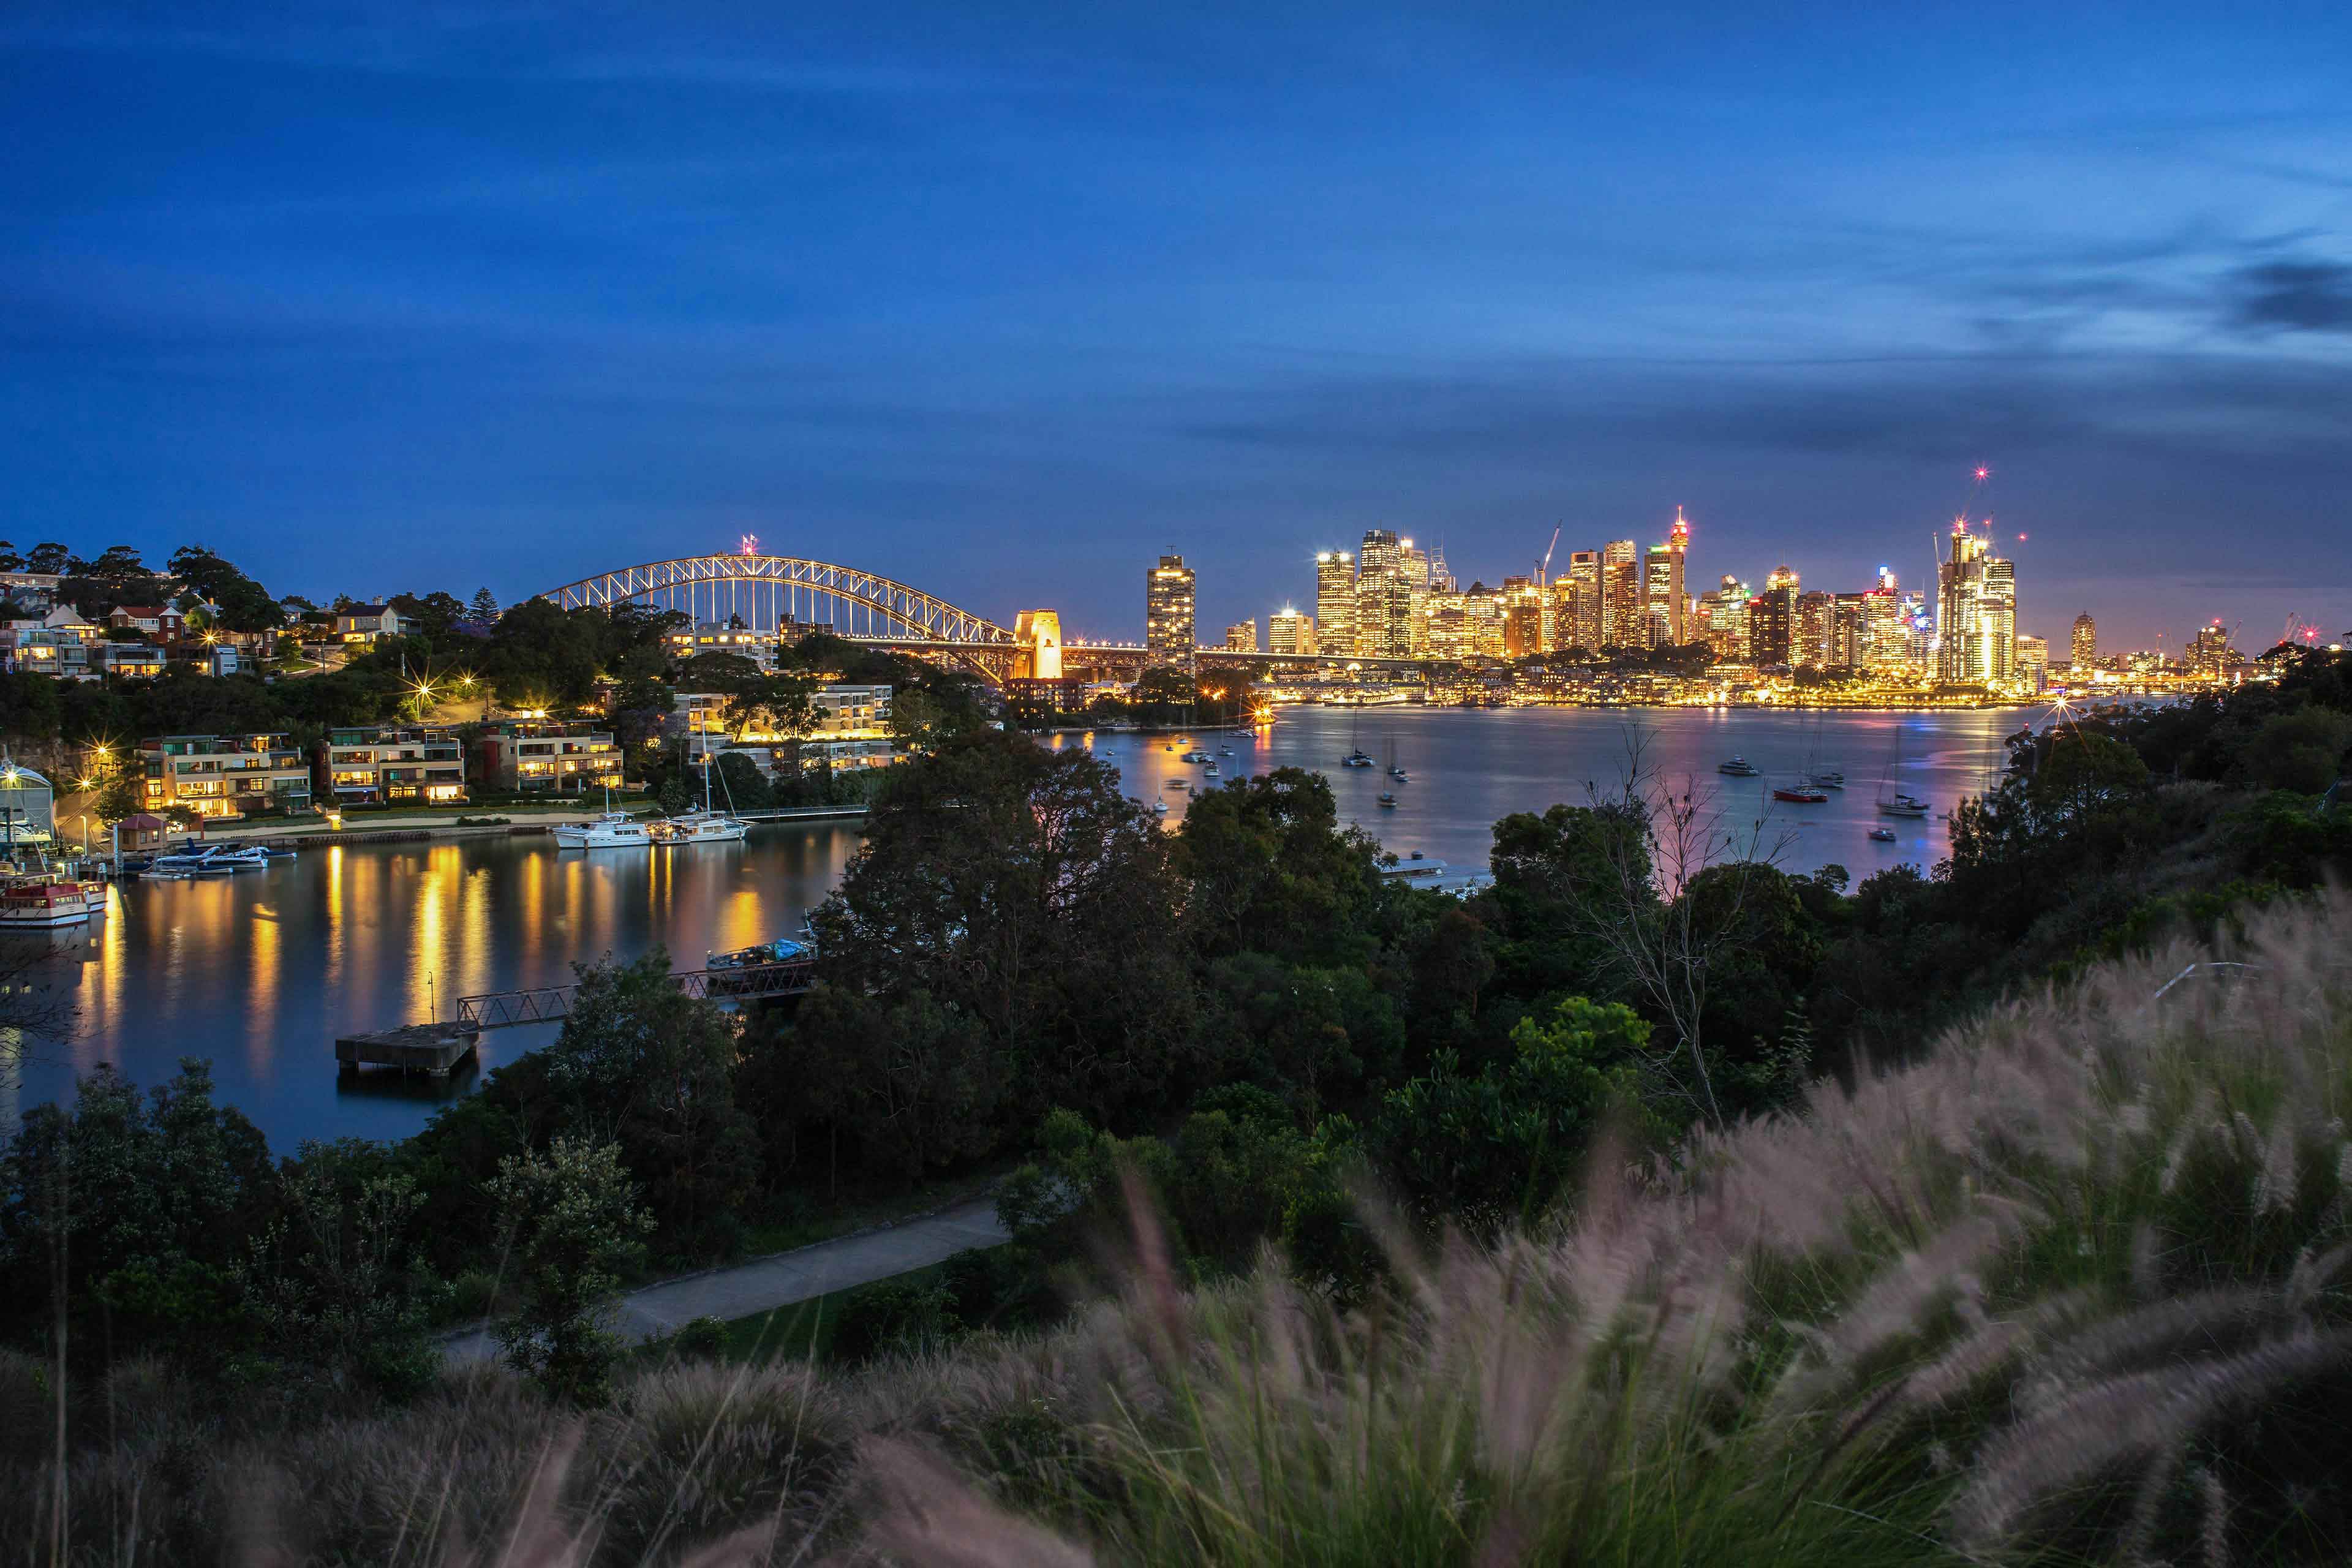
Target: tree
(1638,910)
(244,605)
(121,795)
(1496,1146)
(49,559)
(1270,868)
(482,610)
(436,614)
(651,1069)
(9,560)
(1017,894)
(572,1232)
(2306,750)
(330,1280)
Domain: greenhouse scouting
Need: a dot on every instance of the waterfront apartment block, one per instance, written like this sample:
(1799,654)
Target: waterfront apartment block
(224,775)
(561,759)
(852,730)
(726,636)
(380,765)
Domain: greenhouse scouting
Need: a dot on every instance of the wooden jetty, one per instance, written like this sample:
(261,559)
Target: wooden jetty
(552,1003)
(429,1048)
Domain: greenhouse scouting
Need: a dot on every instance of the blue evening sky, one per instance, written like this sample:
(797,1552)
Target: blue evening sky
(1004,302)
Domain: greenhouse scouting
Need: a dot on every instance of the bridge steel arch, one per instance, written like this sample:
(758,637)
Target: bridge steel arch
(769,591)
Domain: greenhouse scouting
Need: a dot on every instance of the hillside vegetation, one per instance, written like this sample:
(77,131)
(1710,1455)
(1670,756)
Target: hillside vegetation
(2068,1287)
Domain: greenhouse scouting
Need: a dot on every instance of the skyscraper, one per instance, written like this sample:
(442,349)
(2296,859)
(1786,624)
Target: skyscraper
(1167,612)
(1724,608)
(2085,651)
(1335,602)
(1664,601)
(1241,637)
(1622,623)
(1522,617)
(1976,612)
(1584,576)
(1772,619)
(1816,630)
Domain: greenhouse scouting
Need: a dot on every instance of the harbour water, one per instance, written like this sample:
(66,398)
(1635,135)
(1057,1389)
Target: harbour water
(261,971)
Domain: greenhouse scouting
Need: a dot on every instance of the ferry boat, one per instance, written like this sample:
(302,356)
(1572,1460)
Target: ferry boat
(1799,793)
(41,903)
(1738,767)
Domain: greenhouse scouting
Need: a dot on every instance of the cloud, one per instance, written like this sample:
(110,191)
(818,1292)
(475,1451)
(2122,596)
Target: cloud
(2291,295)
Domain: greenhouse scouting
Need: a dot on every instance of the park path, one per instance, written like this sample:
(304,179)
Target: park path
(785,1278)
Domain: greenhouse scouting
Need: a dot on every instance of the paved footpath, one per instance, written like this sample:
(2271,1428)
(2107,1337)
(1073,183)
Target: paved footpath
(785,1278)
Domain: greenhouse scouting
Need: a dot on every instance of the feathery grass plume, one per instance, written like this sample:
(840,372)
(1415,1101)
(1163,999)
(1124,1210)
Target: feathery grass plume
(929,1518)
(691,1450)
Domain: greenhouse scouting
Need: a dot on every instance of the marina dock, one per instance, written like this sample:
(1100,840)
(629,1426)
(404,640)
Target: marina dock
(429,1048)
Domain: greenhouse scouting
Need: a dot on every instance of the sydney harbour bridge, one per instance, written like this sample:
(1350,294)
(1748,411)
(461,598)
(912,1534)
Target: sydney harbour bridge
(785,594)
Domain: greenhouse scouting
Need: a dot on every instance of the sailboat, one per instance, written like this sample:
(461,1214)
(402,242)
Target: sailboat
(1356,757)
(1395,772)
(705,826)
(1893,801)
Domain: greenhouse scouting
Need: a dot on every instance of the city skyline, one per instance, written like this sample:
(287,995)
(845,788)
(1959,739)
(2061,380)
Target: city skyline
(999,308)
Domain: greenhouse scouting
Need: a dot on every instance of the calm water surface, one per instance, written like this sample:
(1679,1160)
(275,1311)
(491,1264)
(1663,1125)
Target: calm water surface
(260,972)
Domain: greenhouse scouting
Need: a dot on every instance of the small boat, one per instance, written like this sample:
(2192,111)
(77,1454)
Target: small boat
(1738,767)
(272,852)
(1355,760)
(611,830)
(1883,835)
(697,828)
(783,950)
(1799,793)
(1224,750)
(1210,770)
(1830,778)
(1180,784)
(1899,805)
(1194,757)
(1160,807)
(1387,799)
(40,903)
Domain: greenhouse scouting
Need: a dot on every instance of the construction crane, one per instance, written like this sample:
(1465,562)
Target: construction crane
(1543,567)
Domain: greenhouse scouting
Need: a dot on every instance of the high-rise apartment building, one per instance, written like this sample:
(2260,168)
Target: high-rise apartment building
(2033,658)
(1241,637)
(1391,583)
(1622,622)
(1167,628)
(1976,612)
(1335,602)
(1288,631)
(2084,651)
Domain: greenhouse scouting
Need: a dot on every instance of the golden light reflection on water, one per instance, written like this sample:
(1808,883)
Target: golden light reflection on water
(267,950)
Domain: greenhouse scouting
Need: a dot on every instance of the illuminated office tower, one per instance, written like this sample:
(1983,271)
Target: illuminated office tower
(1376,576)
(1976,612)
(2085,650)
(1584,577)
(1665,603)
(1522,617)
(1412,638)
(1772,619)
(2032,659)
(1884,640)
(1288,631)
(1816,630)
(1241,637)
(2208,654)
(1622,622)
(1725,611)
(1167,612)
(1335,602)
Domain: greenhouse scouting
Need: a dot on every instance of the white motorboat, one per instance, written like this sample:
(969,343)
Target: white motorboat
(697,828)
(611,830)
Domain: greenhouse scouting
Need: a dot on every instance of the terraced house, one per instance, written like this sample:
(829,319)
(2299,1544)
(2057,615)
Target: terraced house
(224,775)
(380,764)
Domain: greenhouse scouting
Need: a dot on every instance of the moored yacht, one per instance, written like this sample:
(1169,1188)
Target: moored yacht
(611,830)
(1738,767)
(41,903)
(697,828)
